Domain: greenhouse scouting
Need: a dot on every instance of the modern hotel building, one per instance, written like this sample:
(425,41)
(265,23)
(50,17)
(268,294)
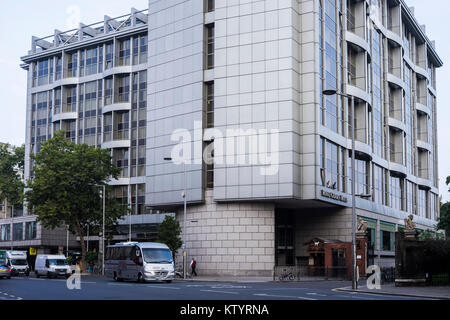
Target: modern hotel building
(196,71)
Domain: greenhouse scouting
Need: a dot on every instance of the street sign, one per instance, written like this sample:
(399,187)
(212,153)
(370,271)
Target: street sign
(33,251)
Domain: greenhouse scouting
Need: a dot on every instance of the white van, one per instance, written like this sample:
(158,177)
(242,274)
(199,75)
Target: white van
(52,266)
(141,262)
(17,262)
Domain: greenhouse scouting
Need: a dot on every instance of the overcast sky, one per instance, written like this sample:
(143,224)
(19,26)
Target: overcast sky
(25,18)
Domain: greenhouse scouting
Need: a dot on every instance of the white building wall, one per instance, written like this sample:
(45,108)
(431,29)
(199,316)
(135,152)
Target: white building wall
(175,96)
(256,80)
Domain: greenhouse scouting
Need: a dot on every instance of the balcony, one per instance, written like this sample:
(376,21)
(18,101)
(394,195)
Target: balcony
(121,135)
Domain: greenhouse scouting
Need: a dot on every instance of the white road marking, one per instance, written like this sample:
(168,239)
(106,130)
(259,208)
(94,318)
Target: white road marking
(120,284)
(316,294)
(156,286)
(279,296)
(217,291)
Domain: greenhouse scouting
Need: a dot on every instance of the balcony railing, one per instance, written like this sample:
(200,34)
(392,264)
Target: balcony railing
(351,73)
(121,135)
(396,154)
(69,107)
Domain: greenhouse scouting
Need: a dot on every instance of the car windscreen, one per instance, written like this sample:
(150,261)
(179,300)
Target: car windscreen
(57,262)
(18,262)
(157,255)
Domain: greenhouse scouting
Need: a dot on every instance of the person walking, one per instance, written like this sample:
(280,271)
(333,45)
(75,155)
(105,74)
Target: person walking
(193,265)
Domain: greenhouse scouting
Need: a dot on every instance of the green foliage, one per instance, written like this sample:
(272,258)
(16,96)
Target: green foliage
(169,233)
(426,235)
(11,166)
(67,186)
(92,257)
(444,219)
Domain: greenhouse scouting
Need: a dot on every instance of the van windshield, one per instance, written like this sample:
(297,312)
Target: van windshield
(19,262)
(57,262)
(157,255)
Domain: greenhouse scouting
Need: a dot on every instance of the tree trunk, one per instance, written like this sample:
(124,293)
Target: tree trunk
(83,249)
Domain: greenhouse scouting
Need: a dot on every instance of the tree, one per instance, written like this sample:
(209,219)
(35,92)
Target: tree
(169,233)
(11,167)
(66,187)
(444,219)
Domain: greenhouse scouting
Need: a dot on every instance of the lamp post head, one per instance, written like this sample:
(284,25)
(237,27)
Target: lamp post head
(329,92)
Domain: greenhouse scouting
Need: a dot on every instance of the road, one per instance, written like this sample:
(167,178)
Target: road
(98,288)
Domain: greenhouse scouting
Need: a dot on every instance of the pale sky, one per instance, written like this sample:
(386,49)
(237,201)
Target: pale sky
(25,18)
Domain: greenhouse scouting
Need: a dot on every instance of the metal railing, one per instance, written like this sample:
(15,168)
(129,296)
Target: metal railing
(304,273)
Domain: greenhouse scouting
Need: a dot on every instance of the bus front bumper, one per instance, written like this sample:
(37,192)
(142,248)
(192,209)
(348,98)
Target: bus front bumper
(158,275)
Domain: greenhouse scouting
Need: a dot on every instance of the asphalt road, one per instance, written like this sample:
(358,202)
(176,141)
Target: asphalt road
(98,288)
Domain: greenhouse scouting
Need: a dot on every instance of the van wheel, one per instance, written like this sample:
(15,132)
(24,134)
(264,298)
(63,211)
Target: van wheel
(37,274)
(139,278)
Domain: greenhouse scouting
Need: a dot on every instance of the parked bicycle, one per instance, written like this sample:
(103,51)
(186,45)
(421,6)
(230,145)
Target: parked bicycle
(285,276)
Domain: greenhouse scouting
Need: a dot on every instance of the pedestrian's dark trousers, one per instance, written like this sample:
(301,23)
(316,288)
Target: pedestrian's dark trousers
(193,271)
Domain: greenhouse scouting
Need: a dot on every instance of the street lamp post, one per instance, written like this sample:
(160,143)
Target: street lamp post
(184,220)
(103,232)
(354,269)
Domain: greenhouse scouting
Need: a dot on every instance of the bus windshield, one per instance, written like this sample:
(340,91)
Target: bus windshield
(157,255)
(57,262)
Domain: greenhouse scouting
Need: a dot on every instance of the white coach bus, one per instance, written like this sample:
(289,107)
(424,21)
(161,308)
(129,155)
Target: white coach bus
(144,261)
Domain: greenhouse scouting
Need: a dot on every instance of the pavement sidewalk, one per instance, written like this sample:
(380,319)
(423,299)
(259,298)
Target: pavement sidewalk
(228,279)
(418,292)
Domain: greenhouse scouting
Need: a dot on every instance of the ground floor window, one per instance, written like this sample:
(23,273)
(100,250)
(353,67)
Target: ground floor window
(387,236)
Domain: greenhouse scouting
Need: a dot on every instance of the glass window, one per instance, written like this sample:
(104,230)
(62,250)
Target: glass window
(18,231)
(377,184)
(121,161)
(387,241)
(123,89)
(109,56)
(91,61)
(108,91)
(210,5)
(422,203)
(43,72)
(58,68)
(361,175)
(30,230)
(107,127)
(72,65)
(210,47)
(410,197)
(396,193)
(210,105)
(124,52)
(143,49)
(5,232)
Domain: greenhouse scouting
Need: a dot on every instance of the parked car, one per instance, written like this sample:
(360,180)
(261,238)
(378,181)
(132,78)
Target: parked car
(5,272)
(52,266)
